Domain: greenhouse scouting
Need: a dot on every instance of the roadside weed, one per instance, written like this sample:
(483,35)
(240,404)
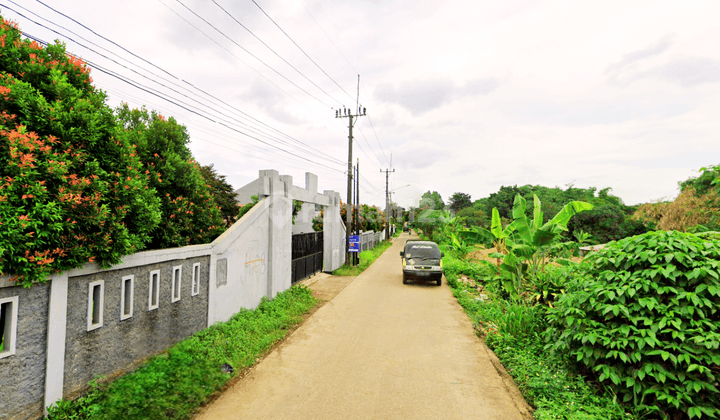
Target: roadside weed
(172,385)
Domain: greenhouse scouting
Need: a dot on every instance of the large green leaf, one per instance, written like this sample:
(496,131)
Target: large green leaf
(496,225)
(563,217)
(519,206)
(542,237)
(476,235)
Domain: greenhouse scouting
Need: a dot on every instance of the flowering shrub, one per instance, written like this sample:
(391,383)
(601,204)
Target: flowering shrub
(190,214)
(71,191)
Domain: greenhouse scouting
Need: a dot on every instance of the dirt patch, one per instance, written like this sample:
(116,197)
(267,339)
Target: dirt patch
(484,255)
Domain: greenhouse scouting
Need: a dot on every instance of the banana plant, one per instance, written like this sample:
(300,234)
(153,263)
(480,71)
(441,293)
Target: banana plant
(476,235)
(526,238)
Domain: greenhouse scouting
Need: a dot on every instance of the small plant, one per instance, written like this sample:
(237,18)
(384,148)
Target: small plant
(645,317)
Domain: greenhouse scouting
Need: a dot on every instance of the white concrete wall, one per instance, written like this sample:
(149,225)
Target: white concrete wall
(253,258)
(242,253)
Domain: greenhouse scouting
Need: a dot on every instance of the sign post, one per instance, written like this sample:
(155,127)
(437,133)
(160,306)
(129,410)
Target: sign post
(354,243)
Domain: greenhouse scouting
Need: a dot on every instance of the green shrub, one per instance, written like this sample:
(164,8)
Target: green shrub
(71,190)
(645,317)
(191,215)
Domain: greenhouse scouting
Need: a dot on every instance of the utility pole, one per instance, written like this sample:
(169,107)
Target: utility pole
(357,205)
(387,202)
(348,113)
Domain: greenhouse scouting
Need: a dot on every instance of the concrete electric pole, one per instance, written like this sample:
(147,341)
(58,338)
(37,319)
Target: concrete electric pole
(347,113)
(387,202)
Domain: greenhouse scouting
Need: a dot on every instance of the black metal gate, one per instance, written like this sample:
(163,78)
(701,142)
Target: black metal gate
(307,255)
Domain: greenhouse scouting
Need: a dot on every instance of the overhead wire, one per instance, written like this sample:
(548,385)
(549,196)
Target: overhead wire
(248,52)
(206,35)
(378,141)
(178,103)
(273,51)
(255,130)
(328,37)
(111,73)
(300,48)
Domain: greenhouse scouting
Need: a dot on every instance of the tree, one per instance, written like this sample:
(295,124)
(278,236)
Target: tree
(72,189)
(222,193)
(190,214)
(432,201)
(459,201)
(606,223)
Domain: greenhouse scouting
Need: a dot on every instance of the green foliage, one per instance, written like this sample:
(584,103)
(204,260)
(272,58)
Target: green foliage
(366,259)
(459,201)
(190,213)
(173,385)
(296,208)
(371,218)
(473,216)
(247,207)
(528,241)
(709,180)
(72,190)
(222,193)
(511,330)
(645,317)
(607,223)
(612,223)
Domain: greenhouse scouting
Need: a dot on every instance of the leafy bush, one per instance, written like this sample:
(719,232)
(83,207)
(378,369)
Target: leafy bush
(191,215)
(645,317)
(71,189)
(546,381)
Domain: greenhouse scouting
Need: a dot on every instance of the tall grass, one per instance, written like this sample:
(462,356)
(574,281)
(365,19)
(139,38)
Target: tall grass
(513,331)
(366,259)
(175,383)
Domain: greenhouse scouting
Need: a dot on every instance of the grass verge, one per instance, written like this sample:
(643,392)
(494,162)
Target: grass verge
(366,259)
(174,384)
(512,330)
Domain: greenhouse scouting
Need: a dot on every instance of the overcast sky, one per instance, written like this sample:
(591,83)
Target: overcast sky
(461,95)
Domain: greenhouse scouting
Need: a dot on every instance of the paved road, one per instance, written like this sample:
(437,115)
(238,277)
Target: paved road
(377,350)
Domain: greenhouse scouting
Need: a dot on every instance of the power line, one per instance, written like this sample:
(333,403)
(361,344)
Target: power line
(303,51)
(378,140)
(111,73)
(328,37)
(179,103)
(244,49)
(273,51)
(206,35)
(255,130)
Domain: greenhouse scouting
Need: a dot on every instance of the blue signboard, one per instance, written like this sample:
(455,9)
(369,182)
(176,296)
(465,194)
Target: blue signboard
(354,243)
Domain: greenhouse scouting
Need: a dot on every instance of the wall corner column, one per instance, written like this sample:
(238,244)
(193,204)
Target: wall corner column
(57,324)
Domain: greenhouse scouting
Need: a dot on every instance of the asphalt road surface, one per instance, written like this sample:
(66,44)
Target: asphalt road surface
(378,350)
